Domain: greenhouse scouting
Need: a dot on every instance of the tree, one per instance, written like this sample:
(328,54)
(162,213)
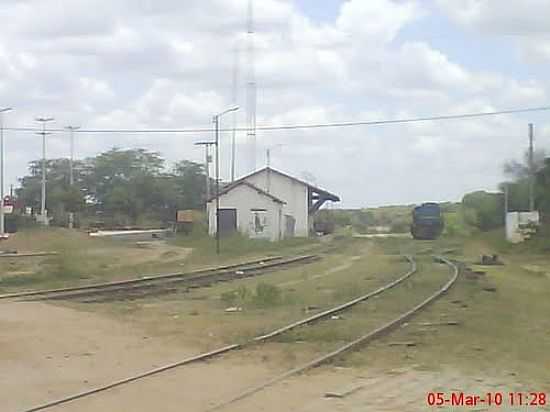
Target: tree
(361,219)
(519,175)
(520,170)
(484,210)
(123,181)
(542,188)
(60,196)
(189,178)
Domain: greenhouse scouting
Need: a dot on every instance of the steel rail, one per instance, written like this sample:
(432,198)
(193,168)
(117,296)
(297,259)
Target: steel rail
(386,328)
(342,307)
(142,279)
(23,255)
(225,275)
(228,348)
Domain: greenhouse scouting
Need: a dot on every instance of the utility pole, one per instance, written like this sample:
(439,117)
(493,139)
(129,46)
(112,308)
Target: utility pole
(217,124)
(506,202)
(268,153)
(2,218)
(207,162)
(506,197)
(268,163)
(531,170)
(71,173)
(43,120)
(217,144)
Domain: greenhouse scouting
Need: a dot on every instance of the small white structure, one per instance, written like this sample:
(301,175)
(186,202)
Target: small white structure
(521,225)
(268,204)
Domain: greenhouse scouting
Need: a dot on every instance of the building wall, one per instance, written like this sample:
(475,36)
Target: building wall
(244,199)
(292,192)
(518,225)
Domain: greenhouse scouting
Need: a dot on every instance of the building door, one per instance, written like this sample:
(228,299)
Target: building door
(290,226)
(228,221)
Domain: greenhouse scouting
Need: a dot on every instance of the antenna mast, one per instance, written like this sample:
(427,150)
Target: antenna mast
(251,88)
(234,97)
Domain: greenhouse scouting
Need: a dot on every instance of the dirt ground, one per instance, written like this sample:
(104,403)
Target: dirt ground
(144,252)
(88,350)
(52,351)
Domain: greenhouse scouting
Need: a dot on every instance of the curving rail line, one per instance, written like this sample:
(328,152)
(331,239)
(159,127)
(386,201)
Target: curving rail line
(194,278)
(351,345)
(206,356)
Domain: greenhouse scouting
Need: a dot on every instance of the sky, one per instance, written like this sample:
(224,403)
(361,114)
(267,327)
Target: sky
(169,64)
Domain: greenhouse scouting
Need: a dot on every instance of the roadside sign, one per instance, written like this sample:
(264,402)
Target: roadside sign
(184,216)
(8,205)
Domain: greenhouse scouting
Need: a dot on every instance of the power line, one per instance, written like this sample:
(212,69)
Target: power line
(301,126)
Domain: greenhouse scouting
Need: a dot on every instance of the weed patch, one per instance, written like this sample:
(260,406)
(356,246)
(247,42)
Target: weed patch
(263,296)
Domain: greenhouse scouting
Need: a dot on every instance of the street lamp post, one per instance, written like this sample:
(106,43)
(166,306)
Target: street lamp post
(217,144)
(2,221)
(43,120)
(71,172)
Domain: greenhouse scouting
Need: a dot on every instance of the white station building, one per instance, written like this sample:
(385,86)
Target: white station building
(268,204)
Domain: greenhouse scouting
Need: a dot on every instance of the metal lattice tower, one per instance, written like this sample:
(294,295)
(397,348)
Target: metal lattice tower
(251,87)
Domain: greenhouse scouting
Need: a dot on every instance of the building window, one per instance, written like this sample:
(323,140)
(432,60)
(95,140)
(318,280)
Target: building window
(258,222)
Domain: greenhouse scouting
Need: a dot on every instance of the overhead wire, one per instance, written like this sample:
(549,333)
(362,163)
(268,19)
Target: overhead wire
(304,126)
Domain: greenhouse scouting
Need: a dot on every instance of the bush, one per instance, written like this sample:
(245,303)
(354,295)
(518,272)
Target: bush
(460,223)
(264,296)
(267,295)
(488,209)
(400,227)
(229,298)
(240,296)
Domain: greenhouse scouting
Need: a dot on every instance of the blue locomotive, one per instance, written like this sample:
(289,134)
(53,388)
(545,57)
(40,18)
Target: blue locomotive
(428,221)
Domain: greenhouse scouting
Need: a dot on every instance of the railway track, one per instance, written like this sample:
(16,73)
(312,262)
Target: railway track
(158,284)
(363,340)
(229,348)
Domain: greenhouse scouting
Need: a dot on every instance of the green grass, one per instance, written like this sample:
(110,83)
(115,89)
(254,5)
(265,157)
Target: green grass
(70,265)
(267,302)
(237,246)
(539,243)
(503,333)
(263,296)
(376,311)
(81,259)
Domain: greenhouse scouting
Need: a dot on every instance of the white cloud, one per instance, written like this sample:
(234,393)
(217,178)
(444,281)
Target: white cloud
(168,64)
(504,17)
(376,21)
(419,66)
(524,22)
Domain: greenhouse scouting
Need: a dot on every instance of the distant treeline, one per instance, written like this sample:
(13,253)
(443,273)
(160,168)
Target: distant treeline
(478,211)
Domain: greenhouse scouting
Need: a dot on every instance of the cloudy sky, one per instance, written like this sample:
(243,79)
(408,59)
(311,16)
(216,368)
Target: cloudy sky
(151,64)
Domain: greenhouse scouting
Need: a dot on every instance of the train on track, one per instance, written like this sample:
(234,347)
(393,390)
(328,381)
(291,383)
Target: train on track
(428,222)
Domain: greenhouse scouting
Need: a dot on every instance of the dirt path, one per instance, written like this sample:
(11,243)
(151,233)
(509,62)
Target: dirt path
(48,351)
(373,391)
(329,272)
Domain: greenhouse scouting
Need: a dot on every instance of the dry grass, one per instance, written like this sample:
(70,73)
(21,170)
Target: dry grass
(199,319)
(501,333)
(83,260)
